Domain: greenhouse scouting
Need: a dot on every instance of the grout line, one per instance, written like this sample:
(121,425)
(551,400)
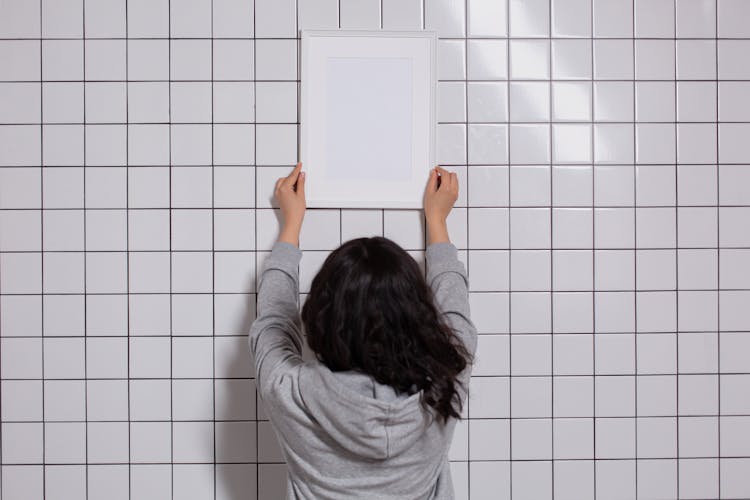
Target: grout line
(718,257)
(41,253)
(171,267)
(510,253)
(593,253)
(127,238)
(676,265)
(550,150)
(635,253)
(466,159)
(255,215)
(213,260)
(85,261)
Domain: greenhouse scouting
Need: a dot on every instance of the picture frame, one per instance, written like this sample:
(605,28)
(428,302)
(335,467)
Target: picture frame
(367,117)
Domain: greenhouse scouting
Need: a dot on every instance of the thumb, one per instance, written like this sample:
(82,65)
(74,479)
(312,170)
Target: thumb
(301,183)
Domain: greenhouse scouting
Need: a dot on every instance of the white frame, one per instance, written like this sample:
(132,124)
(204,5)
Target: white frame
(357,194)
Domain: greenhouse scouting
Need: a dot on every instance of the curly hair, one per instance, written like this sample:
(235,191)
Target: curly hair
(370,309)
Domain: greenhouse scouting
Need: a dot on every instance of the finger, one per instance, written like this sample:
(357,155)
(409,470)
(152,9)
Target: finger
(301,183)
(292,178)
(279,181)
(432,180)
(446,180)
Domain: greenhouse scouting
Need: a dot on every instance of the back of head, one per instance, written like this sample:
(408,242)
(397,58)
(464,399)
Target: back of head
(370,309)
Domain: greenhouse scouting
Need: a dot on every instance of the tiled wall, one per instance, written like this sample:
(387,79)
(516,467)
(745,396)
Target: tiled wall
(602,147)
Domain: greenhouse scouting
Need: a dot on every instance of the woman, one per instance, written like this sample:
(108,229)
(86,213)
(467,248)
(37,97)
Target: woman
(373,415)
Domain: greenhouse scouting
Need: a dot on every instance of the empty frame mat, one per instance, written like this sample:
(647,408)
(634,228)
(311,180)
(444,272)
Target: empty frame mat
(367,117)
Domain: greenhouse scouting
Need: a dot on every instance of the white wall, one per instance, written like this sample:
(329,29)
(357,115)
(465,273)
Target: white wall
(604,219)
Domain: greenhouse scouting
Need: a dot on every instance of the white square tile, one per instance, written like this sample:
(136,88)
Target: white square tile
(529,185)
(315,14)
(320,230)
(529,144)
(529,18)
(732,146)
(275,19)
(613,60)
(233,102)
(24,60)
(234,187)
(573,355)
(574,480)
(572,227)
(488,17)
(190,19)
(733,106)
(655,185)
(696,18)
(696,59)
(489,440)
(655,143)
(655,101)
(451,102)
(234,144)
(696,143)
(487,102)
(615,438)
(451,144)
(615,227)
(276,102)
(23,316)
(530,312)
(447,17)
(573,438)
(730,14)
(529,101)
(531,355)
(20,20)
(190,102)
(697,227)
(62,102)
(613,18)
(655,59)
(148,60)
(62,145)
(571,18)
(530,228)
(571,143)
(531,397)
(572,312)
(451,59)
(62,19)
(654,18)
(276,144)
(405,227)
(533,440)
(105,60)
(191,145)
(572,270)
(191,357)
(20,103)
(732,64)
(191,229)
(20,186)
(613,101)
(193,480)
(488,144)
(105,19)
(62,59)
(530,270)
(571,101)
(488,186)
(494,407)
(63,272)
(487,59)
(571,59)
(360,14)
(276,59)
(148,102)
(191,59)
(361,224)
(529,59)
(613,143)
(488,270)
(148,18)
(488,228)
(233,19)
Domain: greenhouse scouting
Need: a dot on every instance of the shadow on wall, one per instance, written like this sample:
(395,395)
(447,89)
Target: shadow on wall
(248,455)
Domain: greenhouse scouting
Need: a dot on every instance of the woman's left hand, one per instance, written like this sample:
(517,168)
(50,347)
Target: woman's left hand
(290,193)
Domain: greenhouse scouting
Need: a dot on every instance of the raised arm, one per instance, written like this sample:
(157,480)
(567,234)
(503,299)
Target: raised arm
(276,334)
(446,275)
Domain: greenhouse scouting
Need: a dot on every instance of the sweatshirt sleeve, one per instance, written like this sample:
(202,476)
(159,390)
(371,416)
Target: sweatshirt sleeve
(276,334)
(448,279)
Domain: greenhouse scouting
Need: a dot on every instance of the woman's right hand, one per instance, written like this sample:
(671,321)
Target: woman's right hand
(440,195)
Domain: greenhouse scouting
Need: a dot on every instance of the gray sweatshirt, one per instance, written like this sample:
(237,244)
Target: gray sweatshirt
(343,434)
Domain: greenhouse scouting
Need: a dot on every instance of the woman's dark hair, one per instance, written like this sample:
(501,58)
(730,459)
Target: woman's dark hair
(370,309)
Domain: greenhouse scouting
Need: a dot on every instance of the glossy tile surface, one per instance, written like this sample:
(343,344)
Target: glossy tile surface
(602,151)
